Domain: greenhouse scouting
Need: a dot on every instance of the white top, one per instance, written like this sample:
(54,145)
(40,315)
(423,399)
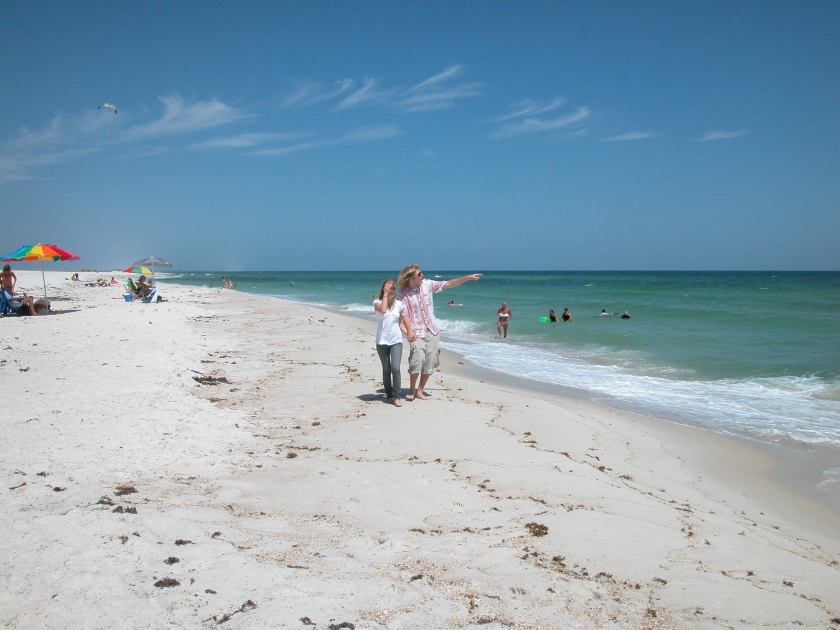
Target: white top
(388,331)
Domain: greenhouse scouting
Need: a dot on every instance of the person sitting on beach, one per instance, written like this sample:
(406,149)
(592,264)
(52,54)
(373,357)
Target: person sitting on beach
(417,293)
(626,315)
(22,305)
(503,317)
(145,287)
(392,322)
(566,316)
(75,277)
(8,279)
(552,316)
(113,280)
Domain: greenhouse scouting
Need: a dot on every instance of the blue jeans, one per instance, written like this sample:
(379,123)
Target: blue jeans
(391,356)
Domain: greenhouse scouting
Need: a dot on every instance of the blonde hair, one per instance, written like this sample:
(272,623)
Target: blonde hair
(407,274)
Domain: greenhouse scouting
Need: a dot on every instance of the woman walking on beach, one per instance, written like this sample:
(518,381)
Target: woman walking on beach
(392,322)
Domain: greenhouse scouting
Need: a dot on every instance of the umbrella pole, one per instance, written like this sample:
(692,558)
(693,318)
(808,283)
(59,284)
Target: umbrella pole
(44,278)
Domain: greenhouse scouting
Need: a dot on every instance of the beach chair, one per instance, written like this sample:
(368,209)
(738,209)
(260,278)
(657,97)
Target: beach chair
(10,305)
(137,294)
(133,291)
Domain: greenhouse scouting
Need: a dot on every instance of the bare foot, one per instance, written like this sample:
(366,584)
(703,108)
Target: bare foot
(422,396)
(409,397)
(397,402)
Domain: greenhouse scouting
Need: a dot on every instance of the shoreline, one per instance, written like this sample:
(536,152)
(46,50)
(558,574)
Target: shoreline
(261,465)
(786,474)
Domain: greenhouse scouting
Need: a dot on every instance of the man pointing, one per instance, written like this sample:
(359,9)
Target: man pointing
(417,293)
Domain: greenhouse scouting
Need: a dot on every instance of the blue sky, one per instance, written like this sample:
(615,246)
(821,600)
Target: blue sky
(459,135)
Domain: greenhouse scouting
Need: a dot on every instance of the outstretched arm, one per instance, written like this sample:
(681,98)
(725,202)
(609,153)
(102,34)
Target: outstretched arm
(451,284)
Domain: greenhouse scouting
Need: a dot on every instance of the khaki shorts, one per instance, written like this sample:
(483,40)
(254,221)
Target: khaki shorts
(425,354)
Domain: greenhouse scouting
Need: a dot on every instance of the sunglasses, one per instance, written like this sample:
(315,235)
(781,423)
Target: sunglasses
(418,273)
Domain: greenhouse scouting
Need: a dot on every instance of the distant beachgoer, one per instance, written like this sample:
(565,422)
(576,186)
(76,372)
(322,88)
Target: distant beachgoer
(210,284)
(552,316)
(503,317)
(423,335)
(626,315)
(253,285)
(392,321)
(566,316)
(224,283)
(75,277)
(145,287)
(291,284)
(605,314)
(8,279)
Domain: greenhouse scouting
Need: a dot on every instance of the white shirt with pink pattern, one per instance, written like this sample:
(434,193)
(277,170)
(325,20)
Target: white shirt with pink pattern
(420,306)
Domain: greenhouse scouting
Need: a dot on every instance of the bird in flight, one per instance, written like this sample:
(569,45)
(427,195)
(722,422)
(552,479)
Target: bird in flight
(109,106)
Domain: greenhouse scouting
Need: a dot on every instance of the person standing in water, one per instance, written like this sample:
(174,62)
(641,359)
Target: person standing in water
(503,317)
(566,316)
(392,322)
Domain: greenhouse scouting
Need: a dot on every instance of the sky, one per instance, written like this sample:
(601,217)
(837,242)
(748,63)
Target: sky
(458,135)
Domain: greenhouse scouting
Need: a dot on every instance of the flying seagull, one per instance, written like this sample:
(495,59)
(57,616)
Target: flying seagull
(108,105)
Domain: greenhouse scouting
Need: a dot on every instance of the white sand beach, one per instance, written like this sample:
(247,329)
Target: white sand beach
(224,460)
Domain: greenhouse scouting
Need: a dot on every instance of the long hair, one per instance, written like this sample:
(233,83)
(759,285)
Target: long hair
(382,288)
(407,274)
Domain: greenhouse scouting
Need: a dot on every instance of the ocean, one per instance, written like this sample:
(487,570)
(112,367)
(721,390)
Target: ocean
(755,354)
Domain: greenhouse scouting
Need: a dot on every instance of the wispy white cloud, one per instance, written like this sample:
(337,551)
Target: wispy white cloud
(367,94)
(721,135)
(630,135)
(179,117)
(313,93)
(530,108)
(366,134)
(245,140)
(60,140)
(67,137)
(543,125)
(437,92)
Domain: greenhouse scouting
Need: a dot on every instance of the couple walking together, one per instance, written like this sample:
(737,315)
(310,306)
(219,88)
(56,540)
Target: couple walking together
(409,309)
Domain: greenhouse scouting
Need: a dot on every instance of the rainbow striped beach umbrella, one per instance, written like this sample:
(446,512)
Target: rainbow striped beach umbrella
(42,252)
(139,269)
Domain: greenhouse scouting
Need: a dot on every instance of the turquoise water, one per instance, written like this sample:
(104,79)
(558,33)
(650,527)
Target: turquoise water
(750,353)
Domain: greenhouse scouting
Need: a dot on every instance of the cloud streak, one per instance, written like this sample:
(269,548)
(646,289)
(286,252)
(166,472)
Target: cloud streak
(365,134)
(246,140)
(180,118)
(722,135)
(542,125)
(529,108)
(440,91)
(67,137)
(630,136)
